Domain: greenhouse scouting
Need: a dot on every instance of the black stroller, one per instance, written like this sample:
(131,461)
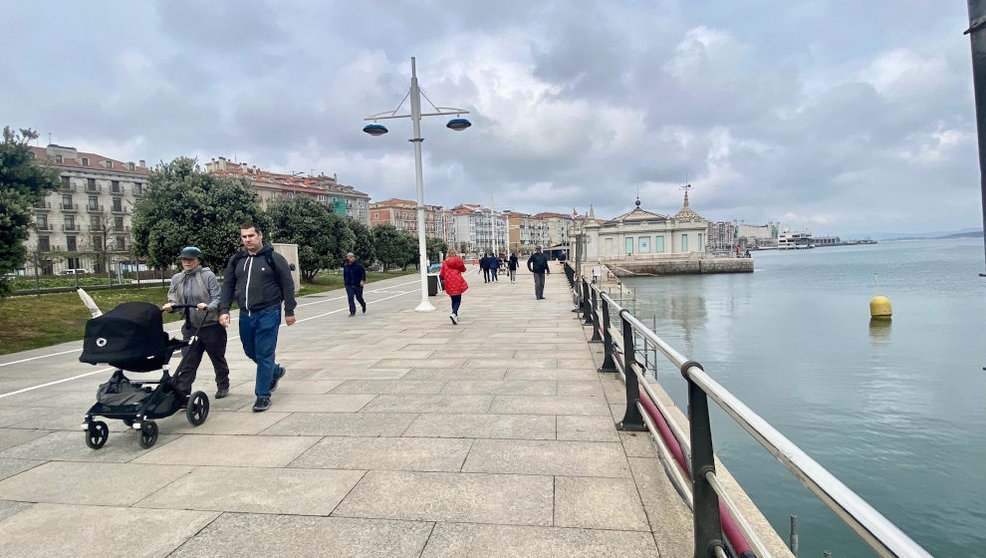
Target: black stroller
(131,337)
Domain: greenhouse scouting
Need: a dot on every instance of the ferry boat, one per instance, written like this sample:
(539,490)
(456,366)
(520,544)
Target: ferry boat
(788,240)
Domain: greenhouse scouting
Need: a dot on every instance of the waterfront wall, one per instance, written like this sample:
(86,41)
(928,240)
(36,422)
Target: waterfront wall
(679,266)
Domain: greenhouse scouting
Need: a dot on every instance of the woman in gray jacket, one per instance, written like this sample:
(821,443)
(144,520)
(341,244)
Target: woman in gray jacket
(197,285)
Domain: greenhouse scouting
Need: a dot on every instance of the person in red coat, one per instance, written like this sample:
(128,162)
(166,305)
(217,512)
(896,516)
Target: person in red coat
(455,284)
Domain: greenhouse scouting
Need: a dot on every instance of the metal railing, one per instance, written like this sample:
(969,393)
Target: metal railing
(689,458)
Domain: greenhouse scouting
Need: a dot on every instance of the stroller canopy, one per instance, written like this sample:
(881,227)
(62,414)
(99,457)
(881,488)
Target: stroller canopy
(130,336)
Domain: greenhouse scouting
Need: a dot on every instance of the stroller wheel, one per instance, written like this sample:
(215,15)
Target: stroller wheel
(198,408)
(148,433)
(96,434)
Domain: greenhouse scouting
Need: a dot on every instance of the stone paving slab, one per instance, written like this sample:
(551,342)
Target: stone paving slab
(454,540)
(236,535)
(46,530)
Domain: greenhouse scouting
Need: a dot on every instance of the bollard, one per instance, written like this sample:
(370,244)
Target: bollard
(794,536)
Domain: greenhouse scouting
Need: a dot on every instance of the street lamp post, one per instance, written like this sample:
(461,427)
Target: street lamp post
(456,124)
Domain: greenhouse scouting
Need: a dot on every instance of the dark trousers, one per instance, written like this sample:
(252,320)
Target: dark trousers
(493,271)
(355,291)
(456,300)
(211,340)
(486,275)
(538,285)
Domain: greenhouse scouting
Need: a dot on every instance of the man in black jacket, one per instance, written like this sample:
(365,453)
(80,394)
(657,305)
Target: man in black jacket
(538,265)
(354,277)
(260,279)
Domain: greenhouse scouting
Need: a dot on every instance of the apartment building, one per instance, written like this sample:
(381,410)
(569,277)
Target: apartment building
(342,199)
(479,229)
(85,224)
(403,214)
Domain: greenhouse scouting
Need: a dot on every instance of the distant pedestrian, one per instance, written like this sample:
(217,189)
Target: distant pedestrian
(354,277)
(538,265)
(198,285)
(260,279)
(455,284)
(484,264)
(512,267)
(494,268)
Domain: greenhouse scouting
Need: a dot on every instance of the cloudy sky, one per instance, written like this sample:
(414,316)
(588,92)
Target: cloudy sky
(838,116)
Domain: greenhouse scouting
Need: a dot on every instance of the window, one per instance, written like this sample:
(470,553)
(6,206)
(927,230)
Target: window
(643,244)
(94,222)
(41,220)
(700,244)
(70,222)
(93,203)
(85,161)
(121,243)
(70,243)
(58,158)
(67,201)
(117,204)
(91,185)
(659,244)
(118,222)
(684,243)
(66,183)
(114,185)
(44,244)
(629,244)
(97,242)
(138,188)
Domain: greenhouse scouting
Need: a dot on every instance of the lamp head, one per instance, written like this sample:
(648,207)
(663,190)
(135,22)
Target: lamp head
(375,129)
(458,124)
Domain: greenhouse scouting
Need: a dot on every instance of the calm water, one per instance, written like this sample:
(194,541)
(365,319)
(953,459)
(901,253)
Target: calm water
(896,412)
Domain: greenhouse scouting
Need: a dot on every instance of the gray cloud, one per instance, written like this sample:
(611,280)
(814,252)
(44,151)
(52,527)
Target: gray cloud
(839,117)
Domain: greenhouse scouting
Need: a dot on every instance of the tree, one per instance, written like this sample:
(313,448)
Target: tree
(23,183)
(393,247)
(323,238)
(363,245)
(434,247)
(183,206)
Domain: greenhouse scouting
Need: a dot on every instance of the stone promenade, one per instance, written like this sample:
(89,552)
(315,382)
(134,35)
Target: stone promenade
(394,434)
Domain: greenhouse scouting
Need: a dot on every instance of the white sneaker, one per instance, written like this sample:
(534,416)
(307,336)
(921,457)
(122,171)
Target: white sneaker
(454,318)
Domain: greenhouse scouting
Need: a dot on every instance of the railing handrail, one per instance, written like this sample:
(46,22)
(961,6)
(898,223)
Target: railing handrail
(875,529)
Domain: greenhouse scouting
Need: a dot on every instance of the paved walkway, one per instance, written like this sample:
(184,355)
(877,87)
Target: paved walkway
(394,433)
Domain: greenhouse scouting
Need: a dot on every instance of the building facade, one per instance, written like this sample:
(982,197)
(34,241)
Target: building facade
(403,214)
(643,234)
(85,224)
(479,229)
(340,198)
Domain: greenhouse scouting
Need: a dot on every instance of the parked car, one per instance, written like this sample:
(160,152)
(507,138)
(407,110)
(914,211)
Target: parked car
(74,272)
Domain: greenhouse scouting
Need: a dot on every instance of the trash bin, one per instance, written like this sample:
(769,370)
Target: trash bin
(432,284)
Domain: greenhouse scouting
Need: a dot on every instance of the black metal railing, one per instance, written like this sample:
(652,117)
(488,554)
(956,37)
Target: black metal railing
(626,340)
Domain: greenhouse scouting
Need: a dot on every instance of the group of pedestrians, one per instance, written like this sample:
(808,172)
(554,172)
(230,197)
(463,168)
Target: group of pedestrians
(259,279)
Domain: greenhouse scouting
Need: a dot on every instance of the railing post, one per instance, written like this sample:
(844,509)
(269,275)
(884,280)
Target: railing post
(608,364)
(576,296)
(586,307)
(594,312)
(632,420)
(705,514)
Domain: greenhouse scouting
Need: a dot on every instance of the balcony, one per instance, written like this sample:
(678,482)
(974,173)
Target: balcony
(69,207)
(94,208)
(67,227)
(119,209)
(44,227)
(67,187)
(94,188)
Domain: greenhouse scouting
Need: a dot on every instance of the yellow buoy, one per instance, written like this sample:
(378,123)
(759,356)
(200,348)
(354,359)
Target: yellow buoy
(880,308)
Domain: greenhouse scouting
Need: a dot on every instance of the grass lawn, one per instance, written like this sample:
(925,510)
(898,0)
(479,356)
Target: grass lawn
(30,322)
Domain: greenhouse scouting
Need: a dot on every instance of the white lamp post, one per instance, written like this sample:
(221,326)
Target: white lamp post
(456,124)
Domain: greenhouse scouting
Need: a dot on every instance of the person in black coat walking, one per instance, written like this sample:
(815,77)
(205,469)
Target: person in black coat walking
(354,277)
(538,265)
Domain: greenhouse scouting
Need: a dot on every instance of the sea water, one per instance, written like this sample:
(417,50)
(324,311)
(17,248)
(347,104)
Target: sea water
(895,410)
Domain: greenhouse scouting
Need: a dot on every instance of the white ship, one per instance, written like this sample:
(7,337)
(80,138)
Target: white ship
(788,240)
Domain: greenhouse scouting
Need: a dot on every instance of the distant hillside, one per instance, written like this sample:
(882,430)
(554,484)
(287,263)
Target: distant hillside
(963,233)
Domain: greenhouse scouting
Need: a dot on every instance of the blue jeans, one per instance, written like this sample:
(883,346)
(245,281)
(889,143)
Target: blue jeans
(456,300)
(258,333)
